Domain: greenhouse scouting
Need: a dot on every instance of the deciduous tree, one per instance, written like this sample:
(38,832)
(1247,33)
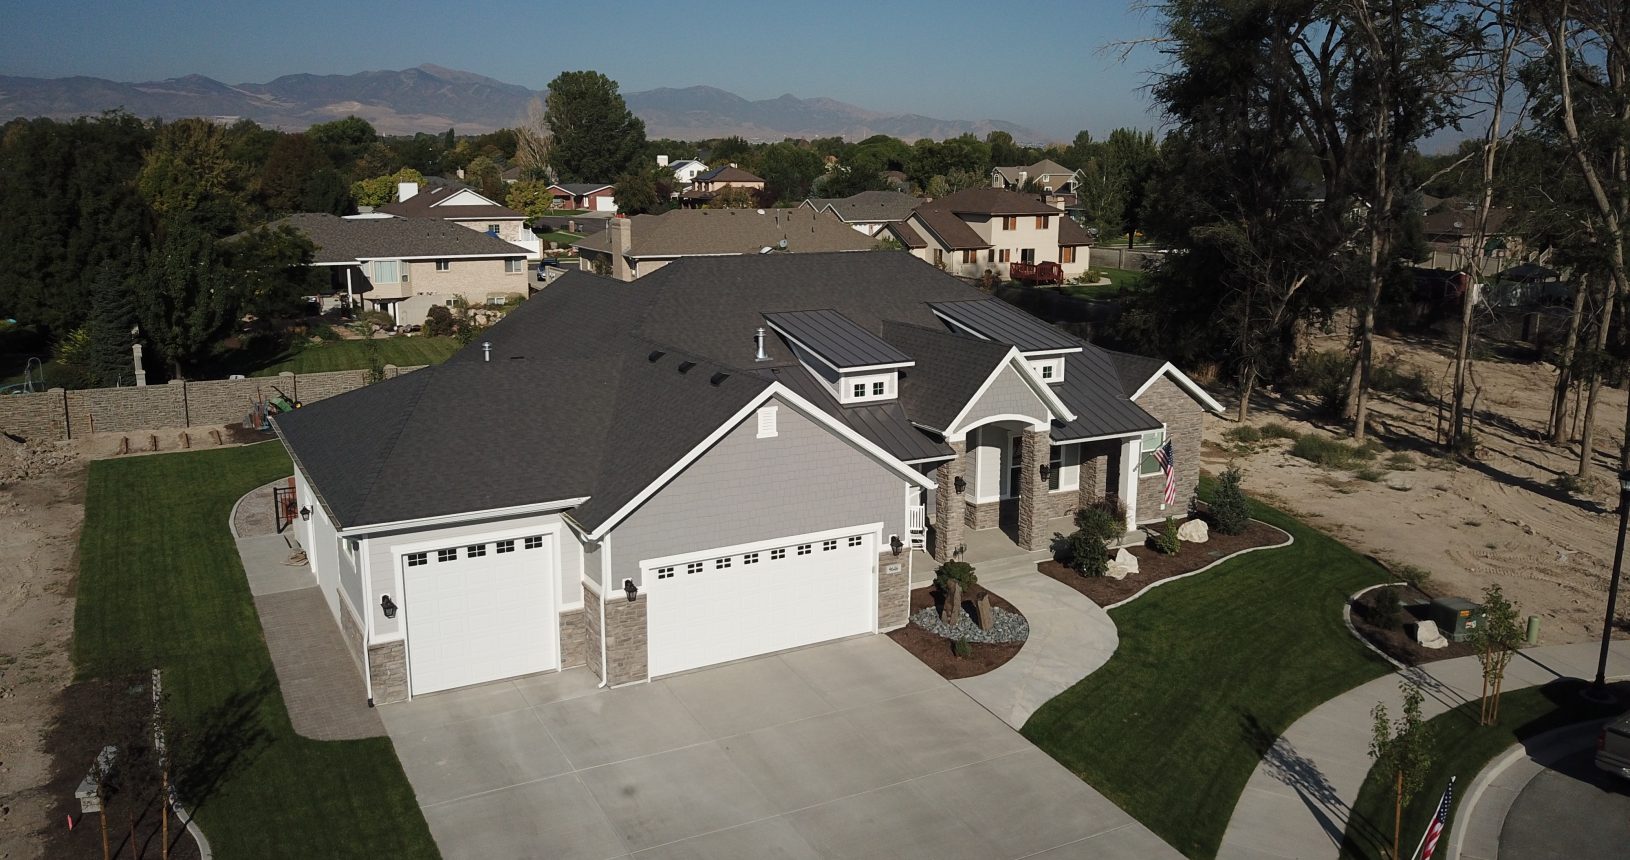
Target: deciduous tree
(595,135)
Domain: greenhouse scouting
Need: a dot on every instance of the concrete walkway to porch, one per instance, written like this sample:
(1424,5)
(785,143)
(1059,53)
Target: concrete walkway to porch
(320,680)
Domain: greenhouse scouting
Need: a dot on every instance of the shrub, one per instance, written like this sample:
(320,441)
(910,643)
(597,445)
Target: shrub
(1104,519)
(961,649)
(1414,576)
(1330,453)
(958,571)
(1391,376)
(1276,430)
(1569,483)
(1088,554)
(1402,462)
(1244,433)
(1369,473)
(439,322)
(1387,608)
(377,319)
(1166,541)
(1229,511)
(1324,375)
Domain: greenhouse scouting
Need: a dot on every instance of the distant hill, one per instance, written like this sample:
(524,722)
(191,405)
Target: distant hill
(432,98)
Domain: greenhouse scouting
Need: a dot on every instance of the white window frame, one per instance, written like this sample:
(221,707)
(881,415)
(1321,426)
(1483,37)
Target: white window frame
(444,265)
(514,265)
(1147,455)
(867,383)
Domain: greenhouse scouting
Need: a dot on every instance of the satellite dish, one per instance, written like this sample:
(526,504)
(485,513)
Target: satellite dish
(782,244)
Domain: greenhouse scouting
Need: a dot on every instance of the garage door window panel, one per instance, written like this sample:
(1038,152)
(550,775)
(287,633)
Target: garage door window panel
(447,555)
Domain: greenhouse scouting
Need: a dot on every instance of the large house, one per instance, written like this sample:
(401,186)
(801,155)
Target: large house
(587,196)
(729,457)
(869,211)
(988,229)
(708,185)
(465,207)
(1052,182)
(631,248)
(404,266)
(685,170)
(1449,226)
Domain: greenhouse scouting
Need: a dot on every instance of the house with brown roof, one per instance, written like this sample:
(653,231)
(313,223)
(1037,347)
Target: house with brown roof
(869,211)
(708,185)
(587,196)
(1449,227)
(466,207)
(631,248)
(988,229)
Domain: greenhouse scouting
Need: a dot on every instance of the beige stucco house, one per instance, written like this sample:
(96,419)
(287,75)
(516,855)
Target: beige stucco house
(988,229)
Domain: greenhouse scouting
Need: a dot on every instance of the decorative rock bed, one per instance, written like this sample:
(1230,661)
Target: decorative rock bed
(1007,626)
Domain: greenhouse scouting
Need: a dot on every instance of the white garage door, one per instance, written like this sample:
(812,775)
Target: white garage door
(479,612)
(736,602)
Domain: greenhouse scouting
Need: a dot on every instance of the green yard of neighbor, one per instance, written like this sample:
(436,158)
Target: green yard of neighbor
(560,237)
(1209,672)
(353,355)
(160,585)
(1119,279)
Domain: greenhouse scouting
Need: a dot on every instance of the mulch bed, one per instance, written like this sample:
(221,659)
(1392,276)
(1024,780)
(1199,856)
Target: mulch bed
(935,651)
(1153,567)
(1397,642)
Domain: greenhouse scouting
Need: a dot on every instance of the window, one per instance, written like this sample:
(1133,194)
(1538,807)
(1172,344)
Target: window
(1027,255)
(693,567)
(534,542)
(443,265)
(492,229)
(750,558)
(477,551)
(505,546)
(1046,371)
(1004,256)
(990,256)
(514,265)
(1055,466)
(878,388)
(447,554)
(416,559)
(860,389)
(1010,222)
(804,548)
(665,573)
(1041,222)
(1066,253)
(970,256)
(854,540)
(828,545)
(721,563)
(939,256)
(778,554)
(1151,440)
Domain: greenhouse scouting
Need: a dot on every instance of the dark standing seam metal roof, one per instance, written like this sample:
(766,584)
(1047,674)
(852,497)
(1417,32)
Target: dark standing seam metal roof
(1001,321)
(1092,390)
(884,424)
(950,368)
(1133,370)
(835,338)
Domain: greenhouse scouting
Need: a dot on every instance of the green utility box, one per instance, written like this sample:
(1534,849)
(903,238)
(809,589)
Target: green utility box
(1456,617)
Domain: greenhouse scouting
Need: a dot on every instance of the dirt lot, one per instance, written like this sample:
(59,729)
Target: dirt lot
(42,499)
(1496,520)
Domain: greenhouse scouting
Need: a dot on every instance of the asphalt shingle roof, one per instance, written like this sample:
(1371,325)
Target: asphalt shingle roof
(993,201)
(950,368)
(346,240)
(423,205)
(950,230)
(580,188)
(871,206)
(728,173)
(907,236)
(687,232)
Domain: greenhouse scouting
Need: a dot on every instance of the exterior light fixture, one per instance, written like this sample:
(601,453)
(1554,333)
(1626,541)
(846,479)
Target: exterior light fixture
(305,513)
(1045,471)
(388,605)
(632,589)
(961,485)
(895,544)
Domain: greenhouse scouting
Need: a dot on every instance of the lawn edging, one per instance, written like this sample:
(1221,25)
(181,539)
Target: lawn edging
(1289,539)
(1545,749)
(1347,619)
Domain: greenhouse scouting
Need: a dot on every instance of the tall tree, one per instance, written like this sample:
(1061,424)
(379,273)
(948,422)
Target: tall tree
(790,171)
(186,297)
(290,167)
(189,171)
(596,136)
(1402,750)
(113,312)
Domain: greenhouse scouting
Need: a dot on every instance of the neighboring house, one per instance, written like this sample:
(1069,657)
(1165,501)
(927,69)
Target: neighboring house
(728,458)
(684,170)
(632,248)
(1047,174)
(404,266)
(709,184)
(988,229)
(463,206)
(897,180)
(869,211)
(1449,228)
(588,196)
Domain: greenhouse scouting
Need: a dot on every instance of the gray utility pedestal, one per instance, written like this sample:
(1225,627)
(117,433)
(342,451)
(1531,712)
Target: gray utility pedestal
(1457,617)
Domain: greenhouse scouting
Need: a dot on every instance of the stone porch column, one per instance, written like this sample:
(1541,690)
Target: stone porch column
(1092,477)
(1032,490)
(948,504)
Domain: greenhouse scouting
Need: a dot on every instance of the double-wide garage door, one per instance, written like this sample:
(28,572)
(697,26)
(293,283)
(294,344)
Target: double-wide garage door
(735,602)
(478,612)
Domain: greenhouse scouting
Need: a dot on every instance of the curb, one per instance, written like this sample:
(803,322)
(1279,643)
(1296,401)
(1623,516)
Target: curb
(1230,557)
(1546,748)
(1347,619)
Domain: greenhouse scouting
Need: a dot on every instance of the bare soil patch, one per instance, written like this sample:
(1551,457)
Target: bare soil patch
(1497,519)
(1396,639)
(1154,567)
(935,651)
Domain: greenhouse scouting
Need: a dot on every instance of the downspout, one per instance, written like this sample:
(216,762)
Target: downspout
(605,563)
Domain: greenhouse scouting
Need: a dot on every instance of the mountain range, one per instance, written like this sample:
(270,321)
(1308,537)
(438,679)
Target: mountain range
(432,98)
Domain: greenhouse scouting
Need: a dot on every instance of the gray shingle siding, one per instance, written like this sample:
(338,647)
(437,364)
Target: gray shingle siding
(1007,395)
(747,489)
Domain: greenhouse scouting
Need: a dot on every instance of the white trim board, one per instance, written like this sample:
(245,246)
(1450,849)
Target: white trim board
(1015,359)
(1182,380)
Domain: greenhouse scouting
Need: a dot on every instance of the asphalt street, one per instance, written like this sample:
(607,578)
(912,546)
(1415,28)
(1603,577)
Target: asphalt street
(1572,810)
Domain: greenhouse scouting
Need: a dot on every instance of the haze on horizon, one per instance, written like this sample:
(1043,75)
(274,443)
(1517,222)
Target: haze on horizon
(953,60)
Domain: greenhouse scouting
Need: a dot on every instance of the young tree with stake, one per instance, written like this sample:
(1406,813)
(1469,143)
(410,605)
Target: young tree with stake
(1402,752)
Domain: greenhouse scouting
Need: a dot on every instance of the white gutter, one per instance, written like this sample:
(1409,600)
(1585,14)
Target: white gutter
(451,519)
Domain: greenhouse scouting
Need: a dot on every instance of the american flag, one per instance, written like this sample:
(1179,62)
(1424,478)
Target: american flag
(1430,842)
(1163,456)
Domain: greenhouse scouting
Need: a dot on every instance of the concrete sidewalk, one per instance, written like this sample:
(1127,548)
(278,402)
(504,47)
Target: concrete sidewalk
(1298,799)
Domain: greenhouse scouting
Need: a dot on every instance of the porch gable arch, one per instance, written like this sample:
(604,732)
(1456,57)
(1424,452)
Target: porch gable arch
(1006,396)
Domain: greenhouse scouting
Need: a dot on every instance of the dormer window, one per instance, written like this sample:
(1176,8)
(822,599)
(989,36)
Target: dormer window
(1049,368)
(867,388)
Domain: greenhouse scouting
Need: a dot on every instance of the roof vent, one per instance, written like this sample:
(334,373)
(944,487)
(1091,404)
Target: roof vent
(655,354)
(685,366)
(486,350)
(759,339)
(717,378)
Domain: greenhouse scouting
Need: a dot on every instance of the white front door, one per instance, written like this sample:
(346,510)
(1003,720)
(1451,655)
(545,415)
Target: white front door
(735,602)
(478,611)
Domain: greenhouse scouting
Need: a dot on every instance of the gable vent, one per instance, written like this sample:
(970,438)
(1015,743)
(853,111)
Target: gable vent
(766,422)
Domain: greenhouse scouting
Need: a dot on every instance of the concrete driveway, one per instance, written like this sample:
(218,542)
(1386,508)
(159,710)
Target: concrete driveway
(845,750)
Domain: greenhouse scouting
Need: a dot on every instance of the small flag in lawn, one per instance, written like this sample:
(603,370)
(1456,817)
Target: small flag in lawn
(1163,456)
(1430,842)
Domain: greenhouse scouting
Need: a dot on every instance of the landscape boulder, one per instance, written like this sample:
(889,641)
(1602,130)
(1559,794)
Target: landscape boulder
(1122,564)
(1427,635)
(1194,531)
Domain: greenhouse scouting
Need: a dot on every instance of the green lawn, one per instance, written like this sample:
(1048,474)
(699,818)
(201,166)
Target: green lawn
(1463,748)
(353,355)
(160,584)
(560,237)
(1209,672)
(1119,279)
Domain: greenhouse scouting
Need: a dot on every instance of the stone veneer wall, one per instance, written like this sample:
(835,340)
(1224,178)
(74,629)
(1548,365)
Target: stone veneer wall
(591,632)
(1185,425)
(626,641)
(57,415)
(574,638)
(982,515)
(949,515)
(1033,491)
(893,592)
(387,667)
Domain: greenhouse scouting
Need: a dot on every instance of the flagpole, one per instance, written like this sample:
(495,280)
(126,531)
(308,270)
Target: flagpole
(1433,822)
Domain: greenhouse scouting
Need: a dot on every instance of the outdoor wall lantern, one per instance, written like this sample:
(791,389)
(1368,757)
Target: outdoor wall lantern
(305,513)
(632,589)
(895,544)
(388,605)
(1045,471)
(961,485)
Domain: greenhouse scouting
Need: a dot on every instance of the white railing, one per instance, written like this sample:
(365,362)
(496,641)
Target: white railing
(532,244)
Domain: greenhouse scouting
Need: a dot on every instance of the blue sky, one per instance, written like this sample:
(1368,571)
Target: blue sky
(1038,64)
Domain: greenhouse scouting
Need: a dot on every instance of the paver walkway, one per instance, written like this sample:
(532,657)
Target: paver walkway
(321,682)
(1298,799)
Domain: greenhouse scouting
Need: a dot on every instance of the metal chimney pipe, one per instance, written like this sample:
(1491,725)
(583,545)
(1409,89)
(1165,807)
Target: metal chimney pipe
(759,338)
(486,350)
